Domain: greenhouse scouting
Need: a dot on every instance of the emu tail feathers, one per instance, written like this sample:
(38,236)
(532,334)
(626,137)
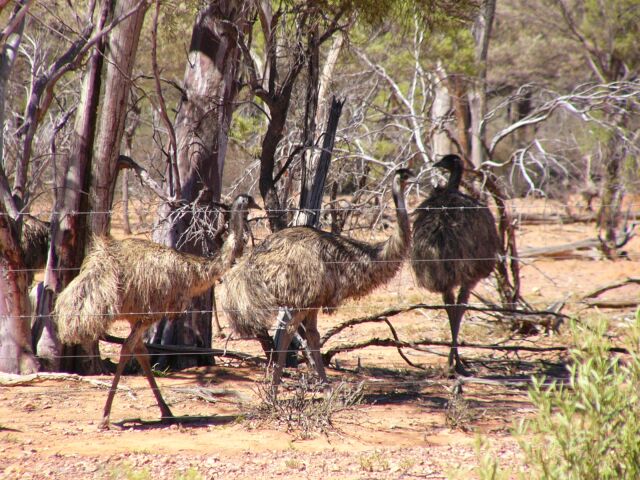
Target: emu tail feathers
(248,303)
(86,307)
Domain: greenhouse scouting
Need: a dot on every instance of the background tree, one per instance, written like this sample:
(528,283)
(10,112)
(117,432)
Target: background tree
(195,167)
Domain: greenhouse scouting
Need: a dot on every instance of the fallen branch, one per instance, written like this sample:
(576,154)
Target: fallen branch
(553,218)
(564,250)
(383,316)
(16,380)
(612,303)
(397,339)
(419,345)
(611,286)
(216,352)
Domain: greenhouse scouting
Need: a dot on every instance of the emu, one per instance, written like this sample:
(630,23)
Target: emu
(303,269)
(140,281)
(454,245)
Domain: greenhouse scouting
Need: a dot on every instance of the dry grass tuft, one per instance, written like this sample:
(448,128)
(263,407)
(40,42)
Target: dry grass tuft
(307,409)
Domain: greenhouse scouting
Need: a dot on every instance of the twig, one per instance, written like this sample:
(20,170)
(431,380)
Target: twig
(400,352)
(382,316)
(611,286)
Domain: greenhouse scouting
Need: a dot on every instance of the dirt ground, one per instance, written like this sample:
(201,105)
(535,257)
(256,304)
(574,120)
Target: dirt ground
(407,425)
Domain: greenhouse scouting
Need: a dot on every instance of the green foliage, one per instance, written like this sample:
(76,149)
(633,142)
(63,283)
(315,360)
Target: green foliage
(431,12)
(455,48)
(587,429)
(190,474)
(124,471)
(612,27)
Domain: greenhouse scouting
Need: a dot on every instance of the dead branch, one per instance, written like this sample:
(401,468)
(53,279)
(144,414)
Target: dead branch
(397,339)
(125,161)
(182,349)
(383,316)
(611,286)
(612,303)
(419,344)
(564,250)
(553,218)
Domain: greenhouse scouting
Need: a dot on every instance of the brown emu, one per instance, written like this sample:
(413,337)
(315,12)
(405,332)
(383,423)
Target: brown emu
(140,281)
(454,245)
(302,269)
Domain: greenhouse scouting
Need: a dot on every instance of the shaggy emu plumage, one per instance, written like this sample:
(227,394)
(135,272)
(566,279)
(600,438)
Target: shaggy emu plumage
(140,281)
(454,245)
(301,270)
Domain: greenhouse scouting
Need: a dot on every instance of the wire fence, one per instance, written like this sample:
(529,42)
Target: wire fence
(360,306)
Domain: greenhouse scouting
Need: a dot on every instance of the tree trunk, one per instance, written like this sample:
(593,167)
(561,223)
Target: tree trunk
(16,355)
(68,228)
(478,92)
(9,53)
(211,83)
(122,47)
(612,193)
(310,210)
(442,103)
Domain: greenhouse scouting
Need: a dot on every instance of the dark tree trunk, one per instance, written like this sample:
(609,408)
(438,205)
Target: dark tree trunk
(310,210)
(211,83)
(69,229)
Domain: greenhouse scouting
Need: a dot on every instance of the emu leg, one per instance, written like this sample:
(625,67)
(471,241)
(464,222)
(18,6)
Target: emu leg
(125,355)
(287,327)
(142,355)
(455,311)
(313,340)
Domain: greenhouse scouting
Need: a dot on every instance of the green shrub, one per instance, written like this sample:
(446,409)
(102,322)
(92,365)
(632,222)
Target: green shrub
(589,427)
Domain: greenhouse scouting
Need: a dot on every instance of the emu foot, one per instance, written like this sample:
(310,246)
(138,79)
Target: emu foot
(104,425)
(459,369)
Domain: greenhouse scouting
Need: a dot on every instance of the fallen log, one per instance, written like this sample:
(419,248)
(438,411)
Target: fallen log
(612,303)
(564,250)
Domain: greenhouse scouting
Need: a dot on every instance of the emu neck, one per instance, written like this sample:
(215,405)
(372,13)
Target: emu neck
(398,244)
(455,178)
(234,243)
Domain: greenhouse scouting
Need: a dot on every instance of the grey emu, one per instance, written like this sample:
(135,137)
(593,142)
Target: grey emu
(301,270)
(454,245)
(140,281)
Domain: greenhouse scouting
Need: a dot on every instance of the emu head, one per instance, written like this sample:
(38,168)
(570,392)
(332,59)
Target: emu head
(401,178)
(243,203)
(450,162)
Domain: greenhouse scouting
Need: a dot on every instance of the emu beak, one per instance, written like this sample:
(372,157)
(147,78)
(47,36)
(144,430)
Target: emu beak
(438,164)
(253,204)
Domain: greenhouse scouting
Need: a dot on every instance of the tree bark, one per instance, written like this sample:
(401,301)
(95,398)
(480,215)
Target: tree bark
(9,53)
(122,47)
(69,228)
(478,91)
(16,355)
(440,109)
(211,83)
(310,210)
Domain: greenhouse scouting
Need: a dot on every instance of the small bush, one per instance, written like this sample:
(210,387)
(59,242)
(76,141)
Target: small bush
(308,409)
(589,428)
